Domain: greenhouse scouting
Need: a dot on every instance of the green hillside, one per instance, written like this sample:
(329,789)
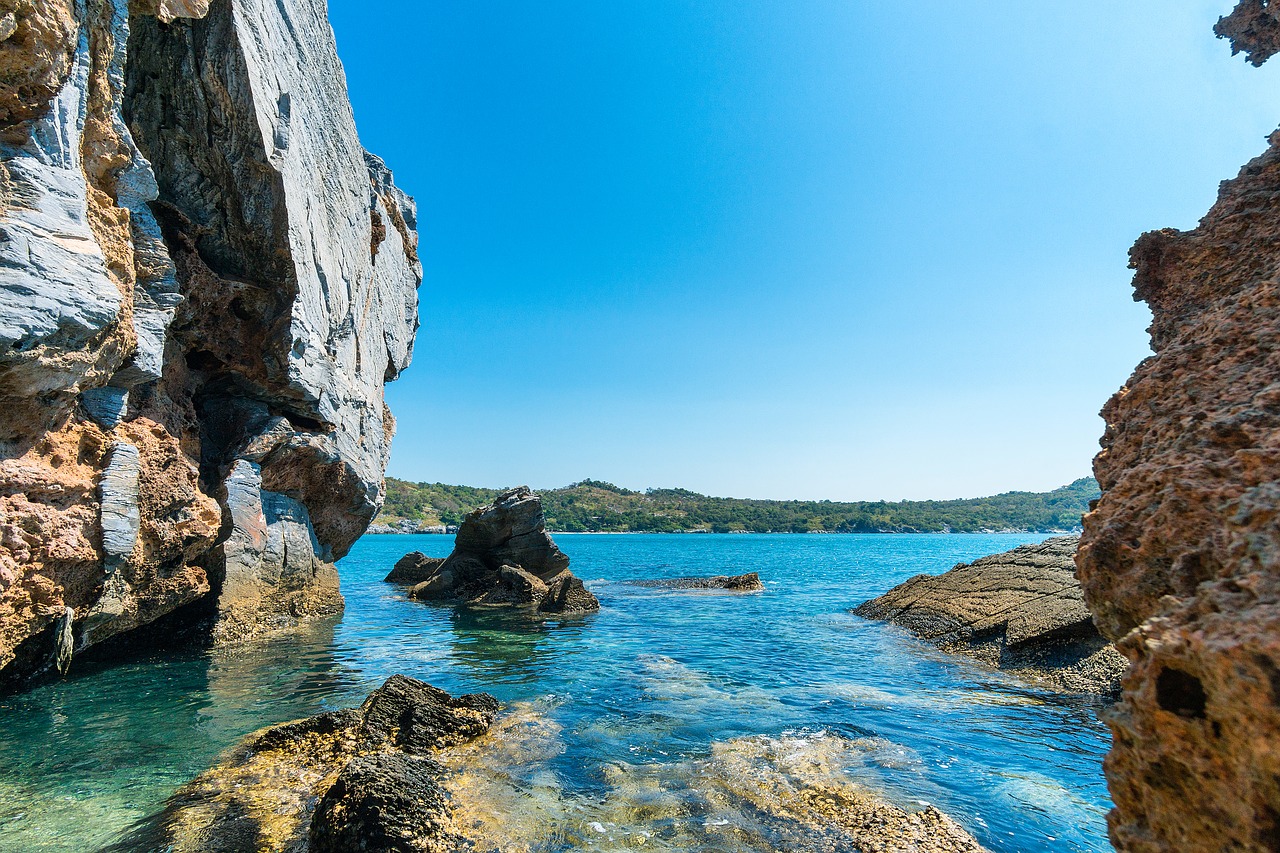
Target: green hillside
(596,506)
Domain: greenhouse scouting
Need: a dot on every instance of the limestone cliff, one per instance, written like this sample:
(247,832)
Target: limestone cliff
(205,283)
(1180,559)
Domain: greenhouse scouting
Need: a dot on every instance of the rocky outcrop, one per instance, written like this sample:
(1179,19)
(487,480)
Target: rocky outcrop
(1180,559)
(503,556)
(360,779)
(206,281)
(749,582)
(1021,611)
(414,568)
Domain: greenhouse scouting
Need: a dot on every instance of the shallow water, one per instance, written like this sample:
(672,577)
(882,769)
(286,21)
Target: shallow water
(626,727)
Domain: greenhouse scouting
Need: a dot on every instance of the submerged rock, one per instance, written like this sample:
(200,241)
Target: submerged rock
(749,582)
(757,793)
(1180,559)
(502,556)
(1021,611)
(359,779)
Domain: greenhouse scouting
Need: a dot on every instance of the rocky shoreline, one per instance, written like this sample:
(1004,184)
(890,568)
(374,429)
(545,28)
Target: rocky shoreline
(1021,611)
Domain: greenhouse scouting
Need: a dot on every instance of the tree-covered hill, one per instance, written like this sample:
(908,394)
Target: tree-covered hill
(596,506)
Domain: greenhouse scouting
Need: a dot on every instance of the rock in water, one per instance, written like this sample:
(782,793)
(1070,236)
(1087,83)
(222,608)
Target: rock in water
(503,556)
(205,287)
(1180,559)
(414,568)
(1021,611)
(360,779)
(749,582)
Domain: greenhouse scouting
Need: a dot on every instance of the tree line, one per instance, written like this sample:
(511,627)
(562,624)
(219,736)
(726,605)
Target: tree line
(597,506)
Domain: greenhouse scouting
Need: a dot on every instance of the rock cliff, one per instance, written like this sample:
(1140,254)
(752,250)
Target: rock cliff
(1180,559)
(1021,611)
(205,283)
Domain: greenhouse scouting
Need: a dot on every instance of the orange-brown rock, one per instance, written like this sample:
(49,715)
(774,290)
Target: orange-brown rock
(1180,559)
(37,40)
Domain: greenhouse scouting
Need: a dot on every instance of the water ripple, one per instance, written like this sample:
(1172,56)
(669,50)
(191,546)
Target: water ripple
(629,704)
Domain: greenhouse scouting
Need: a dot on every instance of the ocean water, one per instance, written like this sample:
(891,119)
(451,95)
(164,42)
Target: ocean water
(669,720)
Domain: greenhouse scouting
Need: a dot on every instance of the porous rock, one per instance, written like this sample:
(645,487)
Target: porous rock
(503,556)
(385,802)
(1021,611)
(358,779)
(1180,559)
(188,267)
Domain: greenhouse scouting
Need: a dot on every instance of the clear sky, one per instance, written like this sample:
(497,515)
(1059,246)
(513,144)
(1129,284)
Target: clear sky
(798,248)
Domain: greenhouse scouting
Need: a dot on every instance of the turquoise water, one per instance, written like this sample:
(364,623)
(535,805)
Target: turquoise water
(643,691)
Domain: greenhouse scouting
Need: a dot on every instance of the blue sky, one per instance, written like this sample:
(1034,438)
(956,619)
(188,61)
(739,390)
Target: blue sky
(845,250)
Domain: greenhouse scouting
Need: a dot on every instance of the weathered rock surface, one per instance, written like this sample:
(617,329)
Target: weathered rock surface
(749,582)
(205,283)
(360,779)
(414,568)
(1021,611)
(1180,559)
(503,556)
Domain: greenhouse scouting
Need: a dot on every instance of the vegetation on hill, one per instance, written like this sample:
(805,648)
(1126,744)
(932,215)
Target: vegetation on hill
(596,506)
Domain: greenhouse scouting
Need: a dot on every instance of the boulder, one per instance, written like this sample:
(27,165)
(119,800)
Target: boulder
(1021,611)
(566,594)
(414,568)
(503,556)
(357,779)
(749,582)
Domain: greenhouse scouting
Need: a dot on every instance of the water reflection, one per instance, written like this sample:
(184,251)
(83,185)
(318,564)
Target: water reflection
(86,757)
(511,645)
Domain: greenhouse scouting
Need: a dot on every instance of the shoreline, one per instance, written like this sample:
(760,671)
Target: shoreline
(1004,532)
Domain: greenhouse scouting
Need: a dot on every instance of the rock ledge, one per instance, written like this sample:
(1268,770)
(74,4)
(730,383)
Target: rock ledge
(1021,611)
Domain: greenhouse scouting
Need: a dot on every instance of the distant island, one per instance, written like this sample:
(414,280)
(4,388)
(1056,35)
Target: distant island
(594,506)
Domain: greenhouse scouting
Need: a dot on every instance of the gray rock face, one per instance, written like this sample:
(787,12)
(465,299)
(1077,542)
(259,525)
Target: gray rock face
(272,576)
(200,260)
(58,295)
(1022,611)
(503,556)
(118,496)
(106,406)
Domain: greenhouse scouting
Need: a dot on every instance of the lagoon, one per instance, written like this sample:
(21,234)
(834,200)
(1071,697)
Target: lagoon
(618,722)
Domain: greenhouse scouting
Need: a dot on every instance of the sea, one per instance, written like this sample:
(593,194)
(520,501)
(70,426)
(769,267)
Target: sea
(670,720)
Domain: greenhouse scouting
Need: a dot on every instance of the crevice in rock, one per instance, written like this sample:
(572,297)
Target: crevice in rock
(1181,693)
